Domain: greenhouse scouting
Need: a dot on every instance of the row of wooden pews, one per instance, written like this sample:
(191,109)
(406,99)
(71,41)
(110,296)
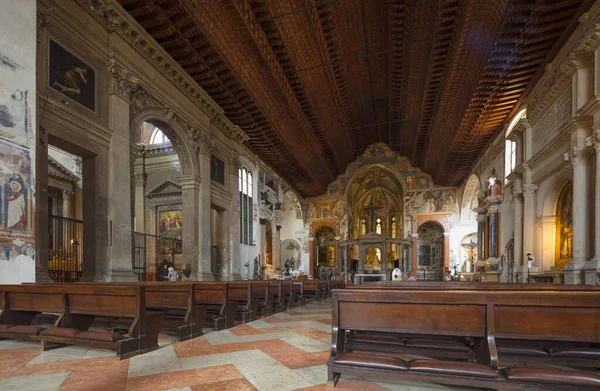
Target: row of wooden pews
(492,336)
(137,311)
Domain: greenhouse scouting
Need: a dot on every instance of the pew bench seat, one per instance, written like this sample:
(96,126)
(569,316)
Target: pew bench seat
(25,332)
(463,373)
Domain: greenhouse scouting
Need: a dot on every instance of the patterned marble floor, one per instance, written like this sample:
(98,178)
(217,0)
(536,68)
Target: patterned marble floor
(286,351)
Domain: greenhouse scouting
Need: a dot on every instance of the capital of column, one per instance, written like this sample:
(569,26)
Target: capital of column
(480,217)
(581,60)
(67,194)
(189,182)
(234,164)
(577,156)
(140,179)
(494,208)
(594,139)
(120,81)
(529,190)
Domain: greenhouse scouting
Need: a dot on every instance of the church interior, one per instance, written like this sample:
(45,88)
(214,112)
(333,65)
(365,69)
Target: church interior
(300,195)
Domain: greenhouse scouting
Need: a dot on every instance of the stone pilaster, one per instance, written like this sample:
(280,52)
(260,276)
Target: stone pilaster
(203,143)
(518,227)
(592,267)
(528,229)
(574,273)
(190,197)
(119,268)
(480,221)
(237,264)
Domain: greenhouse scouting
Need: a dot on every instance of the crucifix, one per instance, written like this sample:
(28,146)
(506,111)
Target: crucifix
(371,210)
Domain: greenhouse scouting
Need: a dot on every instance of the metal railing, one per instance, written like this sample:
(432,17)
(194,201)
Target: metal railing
(65,256)
(150,251)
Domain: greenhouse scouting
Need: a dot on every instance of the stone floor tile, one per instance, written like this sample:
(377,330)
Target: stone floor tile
(270,375)
(245,329)
(61,354)
(222,359)
(179,379)
(46,367)
(16,344)
(181,389)
(46,382)
(13,360)
(159,361)
(228,385)
(316,374)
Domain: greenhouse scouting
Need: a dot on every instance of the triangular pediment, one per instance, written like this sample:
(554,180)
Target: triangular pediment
(57,170)
(165,189)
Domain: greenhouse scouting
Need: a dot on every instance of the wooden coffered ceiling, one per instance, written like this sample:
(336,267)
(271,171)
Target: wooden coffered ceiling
(314,82)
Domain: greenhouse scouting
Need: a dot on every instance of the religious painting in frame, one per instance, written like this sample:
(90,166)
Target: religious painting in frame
(170,222)
(15,196)
(217,170)
(71,77)
(564,226)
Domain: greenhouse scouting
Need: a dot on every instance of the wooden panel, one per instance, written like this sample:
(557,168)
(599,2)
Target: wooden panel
(41,302)
(551,323)
(105,305)
(167,299)
(467,320)
(209,295)
(237,293)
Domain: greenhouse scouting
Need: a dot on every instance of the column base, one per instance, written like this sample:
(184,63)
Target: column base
(574,273)
(117,275)
(592,272)
(520,274)
(41,275)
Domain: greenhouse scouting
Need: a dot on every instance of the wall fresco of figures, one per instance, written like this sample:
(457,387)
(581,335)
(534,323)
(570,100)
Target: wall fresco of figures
(17,141)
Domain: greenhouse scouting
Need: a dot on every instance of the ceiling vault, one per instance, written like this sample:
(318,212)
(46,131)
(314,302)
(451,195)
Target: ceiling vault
(314,82)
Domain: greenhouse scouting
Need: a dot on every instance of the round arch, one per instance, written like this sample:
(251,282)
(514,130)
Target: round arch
(390,170)
(160,118)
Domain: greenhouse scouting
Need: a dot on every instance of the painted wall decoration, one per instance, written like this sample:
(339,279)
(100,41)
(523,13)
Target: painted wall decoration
(17,141)
(170,223)
(564,226)
(217,170)
(433,201)
(71,77)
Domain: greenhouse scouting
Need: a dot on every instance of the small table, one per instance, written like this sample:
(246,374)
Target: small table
(358,277)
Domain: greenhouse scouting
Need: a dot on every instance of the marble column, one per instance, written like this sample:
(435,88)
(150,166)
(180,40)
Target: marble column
(493,242)
(592,267)
(191,235)
(480,221)
(446,250)
(311,256)
(261,245)
(67,203)
(237,264)
(518,228)
(415,253)
(338,254)
(120,212)
(528,228)
(140,202)
(276,247)
(573,270)
(204,147)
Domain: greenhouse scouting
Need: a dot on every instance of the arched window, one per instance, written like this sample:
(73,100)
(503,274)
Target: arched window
(245,189)
(378,226)
(363,226)
(393,226)
(158,137)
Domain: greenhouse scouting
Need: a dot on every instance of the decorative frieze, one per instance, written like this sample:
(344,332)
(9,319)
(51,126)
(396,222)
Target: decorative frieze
(120,81)
(547,127)
(234,164)
(140,179)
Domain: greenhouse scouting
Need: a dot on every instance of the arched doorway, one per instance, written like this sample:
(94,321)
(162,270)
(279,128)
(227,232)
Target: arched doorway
(324,251)
(430,251)
(468,253)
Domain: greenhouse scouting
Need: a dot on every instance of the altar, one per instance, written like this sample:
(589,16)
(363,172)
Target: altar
(358,278)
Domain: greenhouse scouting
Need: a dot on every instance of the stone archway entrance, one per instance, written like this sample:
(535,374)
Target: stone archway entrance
(430,251)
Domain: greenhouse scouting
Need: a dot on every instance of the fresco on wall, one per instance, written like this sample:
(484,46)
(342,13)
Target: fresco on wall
(564,227)
(71,77)
(17,142)
(434,201)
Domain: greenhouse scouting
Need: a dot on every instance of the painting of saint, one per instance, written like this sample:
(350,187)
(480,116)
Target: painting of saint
(15,206)
(564,250)
(170,224)
(71,77)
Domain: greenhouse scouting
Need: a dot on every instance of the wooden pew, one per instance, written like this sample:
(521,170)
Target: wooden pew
(510,350)
(311,290)
(549,315)
(275,290)
(242,293)
(298,292)
(287,293)
(220,308)
(176,299)
(80,304)
(266,297)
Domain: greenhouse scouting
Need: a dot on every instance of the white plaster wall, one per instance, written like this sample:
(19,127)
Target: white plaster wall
(17,130)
